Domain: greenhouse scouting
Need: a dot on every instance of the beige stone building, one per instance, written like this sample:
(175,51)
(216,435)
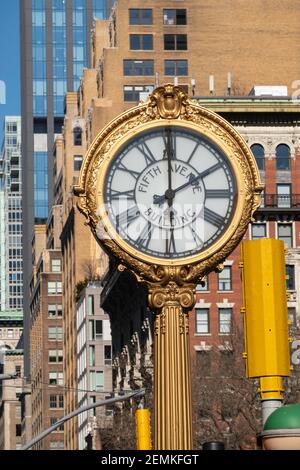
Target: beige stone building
(46,333)
(11,362)
(10,407)
(210,49)
(94,363)
(81,257)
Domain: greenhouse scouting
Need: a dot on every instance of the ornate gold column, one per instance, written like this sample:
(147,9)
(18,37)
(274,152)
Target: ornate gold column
(172,376)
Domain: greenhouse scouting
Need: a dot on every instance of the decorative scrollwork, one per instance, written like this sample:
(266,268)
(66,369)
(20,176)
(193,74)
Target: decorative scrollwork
(167,102)
(171,293)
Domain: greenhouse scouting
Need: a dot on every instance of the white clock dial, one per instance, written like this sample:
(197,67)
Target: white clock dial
(170,192)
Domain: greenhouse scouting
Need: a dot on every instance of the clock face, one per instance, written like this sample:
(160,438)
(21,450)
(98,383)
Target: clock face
(170,192)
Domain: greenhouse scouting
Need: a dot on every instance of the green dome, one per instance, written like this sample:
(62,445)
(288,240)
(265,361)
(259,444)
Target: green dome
(285,417)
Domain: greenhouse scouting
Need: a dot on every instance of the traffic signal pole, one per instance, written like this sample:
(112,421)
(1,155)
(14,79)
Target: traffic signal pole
(265,318)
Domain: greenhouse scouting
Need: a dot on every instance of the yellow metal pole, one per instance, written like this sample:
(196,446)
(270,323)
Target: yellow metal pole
(143,429)
(265,308)
(265,319)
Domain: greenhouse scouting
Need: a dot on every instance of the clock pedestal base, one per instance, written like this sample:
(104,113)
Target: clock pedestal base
(172,376)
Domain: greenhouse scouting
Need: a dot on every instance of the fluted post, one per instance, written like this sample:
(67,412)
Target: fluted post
(172,376)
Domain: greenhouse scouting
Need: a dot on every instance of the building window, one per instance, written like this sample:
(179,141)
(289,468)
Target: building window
(54,401)
(204,286)
(258,231)
(137,92)
(107,355)
(40,161)
(175,42)
(56,445)
(283,157)
(90,305)
(18,430)
(77,136)
(292,316)
(18,370)
(138,67)
(92,411)
(54,310)
(55,333)
(55,355)
(96,380)
(18,411)
(226,363)
(109,409)
(92,356)
(140,16)
(203,363)
(174,16)
(142,42)
(59,310)
(225,320)
(285,233)
(60,401)
(95,330)
(202,320)
(54,288)
(259,154)
(224,279)
(56,265)
(53,421)
(283,195)
(176,68)
(77,162)
(56,378)
(290,272)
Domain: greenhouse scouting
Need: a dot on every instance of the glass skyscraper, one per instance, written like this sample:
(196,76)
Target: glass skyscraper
(55,38)
(58,31)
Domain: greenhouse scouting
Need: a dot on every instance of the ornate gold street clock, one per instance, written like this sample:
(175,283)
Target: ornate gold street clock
(169,189)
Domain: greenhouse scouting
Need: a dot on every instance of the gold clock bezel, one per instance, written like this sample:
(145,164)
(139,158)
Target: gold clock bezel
(109,227)
(168,106)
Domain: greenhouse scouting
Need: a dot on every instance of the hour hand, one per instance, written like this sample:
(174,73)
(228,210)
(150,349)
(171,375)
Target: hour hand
(159,199)
(169,196)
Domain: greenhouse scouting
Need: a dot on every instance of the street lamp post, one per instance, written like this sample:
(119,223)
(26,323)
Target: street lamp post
(39,437)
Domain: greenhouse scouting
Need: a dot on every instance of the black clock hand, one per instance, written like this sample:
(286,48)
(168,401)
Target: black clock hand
(169,193)
(192,179)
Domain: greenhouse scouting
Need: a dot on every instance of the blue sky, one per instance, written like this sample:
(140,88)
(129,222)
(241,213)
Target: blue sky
(9,60)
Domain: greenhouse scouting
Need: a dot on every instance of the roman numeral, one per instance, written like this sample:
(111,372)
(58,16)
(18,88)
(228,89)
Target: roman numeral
(170,243)
(125,218)
(144,149)
(193,152)
(119,194)
(145,235)
(217,193)
(122,167)
(213,218)
(196,237)
(210,170)
(170,144)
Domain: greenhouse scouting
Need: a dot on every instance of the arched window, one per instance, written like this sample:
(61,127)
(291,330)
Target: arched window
(77,135)
(259,154)
(283,157)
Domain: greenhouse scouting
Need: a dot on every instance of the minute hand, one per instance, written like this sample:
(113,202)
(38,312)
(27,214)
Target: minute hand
(160,199)
(199,176)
